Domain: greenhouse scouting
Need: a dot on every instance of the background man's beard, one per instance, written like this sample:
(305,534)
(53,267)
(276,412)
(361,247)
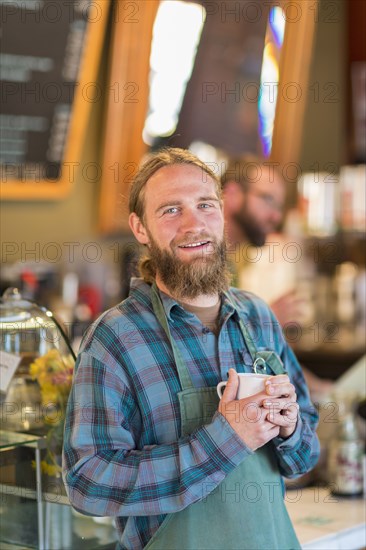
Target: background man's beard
(252,232)
(206,274)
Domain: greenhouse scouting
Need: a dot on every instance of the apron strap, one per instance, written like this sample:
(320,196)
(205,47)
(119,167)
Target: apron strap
(269,359)
(261,359)
(183,373)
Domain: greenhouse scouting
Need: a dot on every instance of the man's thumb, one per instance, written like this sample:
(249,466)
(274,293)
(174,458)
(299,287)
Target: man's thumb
(231,389)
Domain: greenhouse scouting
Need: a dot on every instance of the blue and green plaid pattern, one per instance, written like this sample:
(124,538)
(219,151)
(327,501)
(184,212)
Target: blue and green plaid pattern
(123,454)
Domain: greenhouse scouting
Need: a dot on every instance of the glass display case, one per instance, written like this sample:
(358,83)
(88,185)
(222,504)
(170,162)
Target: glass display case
(42,517)
(36,364)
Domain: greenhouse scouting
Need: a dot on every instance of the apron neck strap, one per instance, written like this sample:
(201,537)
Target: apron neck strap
(183,373)
(245,332)
(261,359)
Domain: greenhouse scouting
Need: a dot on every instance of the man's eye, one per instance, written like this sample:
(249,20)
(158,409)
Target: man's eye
(205,205)
(172,210)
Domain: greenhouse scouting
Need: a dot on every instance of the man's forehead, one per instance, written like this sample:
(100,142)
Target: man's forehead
(268,179)
(177,169)
(181,173)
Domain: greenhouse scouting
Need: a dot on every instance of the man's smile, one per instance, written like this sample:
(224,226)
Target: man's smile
(198,244)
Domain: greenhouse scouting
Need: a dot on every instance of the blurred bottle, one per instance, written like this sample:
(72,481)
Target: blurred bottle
(352,202)
(318,194)
(345,290)
(346,456)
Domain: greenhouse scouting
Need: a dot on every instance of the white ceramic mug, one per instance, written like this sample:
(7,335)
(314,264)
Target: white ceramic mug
(250,383)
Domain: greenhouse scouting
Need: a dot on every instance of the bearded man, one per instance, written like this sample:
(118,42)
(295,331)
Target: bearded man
(147,439)
(254,195)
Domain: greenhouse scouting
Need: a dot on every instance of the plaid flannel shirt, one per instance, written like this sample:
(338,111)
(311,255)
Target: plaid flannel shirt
(123,453)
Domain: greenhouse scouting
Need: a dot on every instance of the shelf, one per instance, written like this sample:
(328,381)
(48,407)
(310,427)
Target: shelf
(45,520)
(10,440)
(64,528)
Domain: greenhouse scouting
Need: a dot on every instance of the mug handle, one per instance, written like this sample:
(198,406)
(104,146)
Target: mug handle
(220,385)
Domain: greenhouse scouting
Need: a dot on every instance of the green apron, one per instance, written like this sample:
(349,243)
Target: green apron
(246,510)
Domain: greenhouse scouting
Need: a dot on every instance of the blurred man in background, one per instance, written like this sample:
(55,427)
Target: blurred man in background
(254,197)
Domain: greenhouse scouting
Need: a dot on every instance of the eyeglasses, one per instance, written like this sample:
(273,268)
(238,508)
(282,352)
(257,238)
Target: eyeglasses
(268,200)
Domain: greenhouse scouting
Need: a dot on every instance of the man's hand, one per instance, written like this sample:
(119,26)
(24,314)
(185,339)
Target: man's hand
(281,404)
(247,417)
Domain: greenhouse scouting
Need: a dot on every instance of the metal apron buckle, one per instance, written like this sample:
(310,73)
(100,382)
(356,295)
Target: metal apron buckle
(259,366)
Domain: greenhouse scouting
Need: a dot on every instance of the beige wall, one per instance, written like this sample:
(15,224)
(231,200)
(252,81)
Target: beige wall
(70,219)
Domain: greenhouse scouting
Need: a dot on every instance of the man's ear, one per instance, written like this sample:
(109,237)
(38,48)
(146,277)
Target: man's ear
(138,228)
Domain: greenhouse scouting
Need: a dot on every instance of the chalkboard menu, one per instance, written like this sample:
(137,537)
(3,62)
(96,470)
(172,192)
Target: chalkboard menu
(49,60)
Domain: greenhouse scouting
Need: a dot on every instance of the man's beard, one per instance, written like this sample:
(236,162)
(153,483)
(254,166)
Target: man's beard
(205,274)
(250,229)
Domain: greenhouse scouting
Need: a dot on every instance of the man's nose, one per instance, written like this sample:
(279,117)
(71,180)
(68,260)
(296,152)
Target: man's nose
(276,217)
(192,220)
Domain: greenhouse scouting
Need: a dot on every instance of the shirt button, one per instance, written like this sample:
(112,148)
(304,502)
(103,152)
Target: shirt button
(205,330)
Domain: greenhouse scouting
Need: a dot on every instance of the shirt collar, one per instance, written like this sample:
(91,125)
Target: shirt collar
(141,290)
(169,304)
(138,286)
(230,306)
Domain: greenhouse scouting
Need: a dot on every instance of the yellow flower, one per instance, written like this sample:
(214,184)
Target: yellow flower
(50,469)
(53,373)
(54,376)
(47,468)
